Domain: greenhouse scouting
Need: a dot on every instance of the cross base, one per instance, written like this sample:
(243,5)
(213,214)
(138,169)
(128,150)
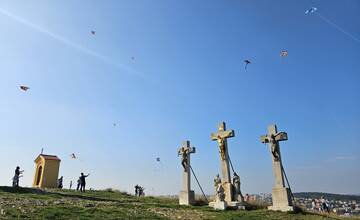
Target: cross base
(281,200)
(223,205)
(187,197)
(282,208)
(236,205)
(218,205)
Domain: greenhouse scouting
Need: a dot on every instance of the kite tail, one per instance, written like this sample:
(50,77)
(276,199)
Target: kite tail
(338,28)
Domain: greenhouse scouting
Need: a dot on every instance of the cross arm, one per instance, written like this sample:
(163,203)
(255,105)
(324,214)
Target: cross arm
(281,136)
(222,134)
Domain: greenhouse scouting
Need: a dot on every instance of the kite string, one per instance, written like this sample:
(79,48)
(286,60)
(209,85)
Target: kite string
(338,27)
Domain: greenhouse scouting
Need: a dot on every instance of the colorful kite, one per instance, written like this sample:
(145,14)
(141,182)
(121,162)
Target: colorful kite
(283,53)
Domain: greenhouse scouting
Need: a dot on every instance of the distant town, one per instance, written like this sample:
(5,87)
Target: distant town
(342,205)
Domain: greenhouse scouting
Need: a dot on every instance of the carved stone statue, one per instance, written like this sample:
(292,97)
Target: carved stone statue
(222,147)
(237,192)
(220,195)
(217,181)
(184,157)
(274,147)
(273,140)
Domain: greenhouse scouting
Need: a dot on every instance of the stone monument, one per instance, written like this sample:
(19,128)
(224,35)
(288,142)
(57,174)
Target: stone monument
(281,195)
(227,186)
(187,196)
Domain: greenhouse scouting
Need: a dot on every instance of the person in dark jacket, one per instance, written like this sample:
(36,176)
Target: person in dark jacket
(17,176)
(83,182)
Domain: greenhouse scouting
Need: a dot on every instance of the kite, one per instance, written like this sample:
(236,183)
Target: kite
(114,124)
(24,88)
(283,53)
(93,32)
(73,156)
(158,159)
(246,63)
(311,10)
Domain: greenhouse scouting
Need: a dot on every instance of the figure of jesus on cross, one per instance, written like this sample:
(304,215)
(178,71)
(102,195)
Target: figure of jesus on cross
(184,152)
(221,138)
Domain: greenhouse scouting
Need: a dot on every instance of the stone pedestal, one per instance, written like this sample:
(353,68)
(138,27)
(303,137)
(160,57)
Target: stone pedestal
(187,197)
(236,205)
(223,205)
(281,198)
(218,205)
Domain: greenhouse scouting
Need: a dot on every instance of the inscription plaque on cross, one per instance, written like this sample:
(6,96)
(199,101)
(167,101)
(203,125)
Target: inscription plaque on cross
(280,194)
(187,196)
(221,137)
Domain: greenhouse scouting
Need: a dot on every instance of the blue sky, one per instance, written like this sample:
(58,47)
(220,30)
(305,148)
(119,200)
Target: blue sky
(187,76)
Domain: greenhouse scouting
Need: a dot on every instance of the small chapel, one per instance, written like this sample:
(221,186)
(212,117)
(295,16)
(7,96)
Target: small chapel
(46,171)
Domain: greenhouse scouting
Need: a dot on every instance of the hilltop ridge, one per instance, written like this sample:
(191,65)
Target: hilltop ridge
(28,203)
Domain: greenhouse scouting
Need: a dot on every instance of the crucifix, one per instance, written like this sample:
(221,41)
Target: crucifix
(280,194)
(186,195)
(221,137)
(273,138)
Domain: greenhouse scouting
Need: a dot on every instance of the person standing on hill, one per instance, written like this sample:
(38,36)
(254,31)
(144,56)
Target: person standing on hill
(313,204)
(83,182)
(17,176)
(136,190)
(60,182)
(78,184)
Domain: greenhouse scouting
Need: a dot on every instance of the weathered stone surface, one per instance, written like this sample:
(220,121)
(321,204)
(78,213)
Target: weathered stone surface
(218,205)
(187,197)
(237,205)
(281,198)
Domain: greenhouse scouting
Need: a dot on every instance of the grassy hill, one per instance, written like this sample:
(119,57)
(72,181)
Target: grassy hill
(27,203)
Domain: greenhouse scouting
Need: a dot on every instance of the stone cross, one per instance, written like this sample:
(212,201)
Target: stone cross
(187,196)
(273,138)
(280,194)
(221,137)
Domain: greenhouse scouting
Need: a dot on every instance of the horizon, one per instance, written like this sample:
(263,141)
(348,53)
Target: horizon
(155,74)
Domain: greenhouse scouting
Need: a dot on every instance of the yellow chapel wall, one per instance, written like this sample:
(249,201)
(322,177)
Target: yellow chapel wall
(50,174)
